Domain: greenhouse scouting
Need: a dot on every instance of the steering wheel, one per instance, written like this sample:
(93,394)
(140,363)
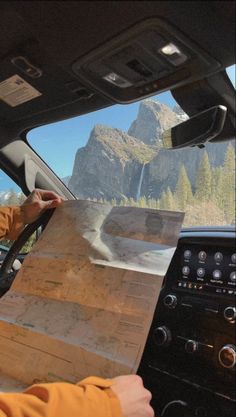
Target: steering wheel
(7,275)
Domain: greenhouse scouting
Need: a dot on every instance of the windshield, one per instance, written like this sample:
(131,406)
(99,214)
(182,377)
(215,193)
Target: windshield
(115,156)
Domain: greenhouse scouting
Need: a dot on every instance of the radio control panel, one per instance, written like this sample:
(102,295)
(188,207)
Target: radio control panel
(192,340)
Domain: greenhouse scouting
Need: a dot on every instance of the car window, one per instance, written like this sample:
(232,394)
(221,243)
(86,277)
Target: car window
(231,71)
(116,156)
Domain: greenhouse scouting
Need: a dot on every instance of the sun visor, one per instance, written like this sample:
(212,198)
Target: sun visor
(150,57)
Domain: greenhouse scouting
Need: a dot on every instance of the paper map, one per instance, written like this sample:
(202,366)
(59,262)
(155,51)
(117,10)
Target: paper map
(83,302)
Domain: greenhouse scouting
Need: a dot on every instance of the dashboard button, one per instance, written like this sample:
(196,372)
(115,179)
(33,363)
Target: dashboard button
(217,274)
(176,408)
(201,272)
(233,276)
(233,258)
(187,254)
(191,346)
(162,336)
(230,314)
(227,356)
(170,301)
(202,255)
(218,257)
(186,270)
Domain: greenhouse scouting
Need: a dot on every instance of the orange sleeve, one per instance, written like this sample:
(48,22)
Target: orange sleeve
(11,222)
(89,398)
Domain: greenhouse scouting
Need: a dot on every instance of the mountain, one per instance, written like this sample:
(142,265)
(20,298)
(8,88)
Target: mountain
(66,180)
(153,118)
(115,164)
(181,115)
(109,166)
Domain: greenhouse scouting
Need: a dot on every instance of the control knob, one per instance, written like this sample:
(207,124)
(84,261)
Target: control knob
(170,301)
(162,336)
(176,408)
(230,314)
(191,346)
(227,356)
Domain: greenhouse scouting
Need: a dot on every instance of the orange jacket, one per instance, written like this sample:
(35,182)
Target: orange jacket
(91,397)
(11,222)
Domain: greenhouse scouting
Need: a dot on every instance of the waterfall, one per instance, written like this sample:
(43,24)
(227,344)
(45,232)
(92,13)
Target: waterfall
(140,183)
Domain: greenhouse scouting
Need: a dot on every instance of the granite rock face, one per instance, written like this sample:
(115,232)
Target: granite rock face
(109,165)
(152,120)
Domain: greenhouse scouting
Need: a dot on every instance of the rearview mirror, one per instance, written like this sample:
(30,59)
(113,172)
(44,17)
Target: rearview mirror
(197,130)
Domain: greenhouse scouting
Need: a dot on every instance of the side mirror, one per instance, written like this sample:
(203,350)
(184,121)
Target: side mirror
(197,130)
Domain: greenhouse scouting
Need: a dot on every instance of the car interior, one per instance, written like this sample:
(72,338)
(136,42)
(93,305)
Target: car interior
(62,60)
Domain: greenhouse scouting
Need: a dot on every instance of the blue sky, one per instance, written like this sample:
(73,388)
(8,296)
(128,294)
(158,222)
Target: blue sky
(57,143)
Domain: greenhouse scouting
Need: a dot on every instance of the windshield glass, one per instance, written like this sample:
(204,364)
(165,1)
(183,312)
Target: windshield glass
(115,156)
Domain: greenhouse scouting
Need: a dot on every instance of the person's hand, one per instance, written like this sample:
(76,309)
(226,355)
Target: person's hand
(37,202)
(134,398)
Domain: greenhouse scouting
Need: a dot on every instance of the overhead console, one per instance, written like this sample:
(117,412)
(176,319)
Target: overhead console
(152,56)
(189,362)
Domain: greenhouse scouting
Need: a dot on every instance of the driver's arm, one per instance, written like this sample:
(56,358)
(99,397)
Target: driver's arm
(11,222)
(123,396)
(92,397)
(13,219)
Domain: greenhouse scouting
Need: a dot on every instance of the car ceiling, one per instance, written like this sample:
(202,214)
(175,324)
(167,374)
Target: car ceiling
(54,35)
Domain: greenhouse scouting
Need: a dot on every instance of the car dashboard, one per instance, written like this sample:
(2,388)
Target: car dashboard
(189,361)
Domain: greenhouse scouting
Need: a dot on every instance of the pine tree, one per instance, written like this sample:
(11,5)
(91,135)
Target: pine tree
(183,193)
(229,185)
(170,203)
(131,202)
(142,202)
(217,187)
(113,202)
(157,204)
(152,203)
(203,180)
(124,202)
(163,201)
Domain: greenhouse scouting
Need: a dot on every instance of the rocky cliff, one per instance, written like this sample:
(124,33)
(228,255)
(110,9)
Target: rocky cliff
(152,120)
(109,166)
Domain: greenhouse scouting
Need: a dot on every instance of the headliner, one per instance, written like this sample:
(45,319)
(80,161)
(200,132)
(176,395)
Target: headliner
(55,34)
